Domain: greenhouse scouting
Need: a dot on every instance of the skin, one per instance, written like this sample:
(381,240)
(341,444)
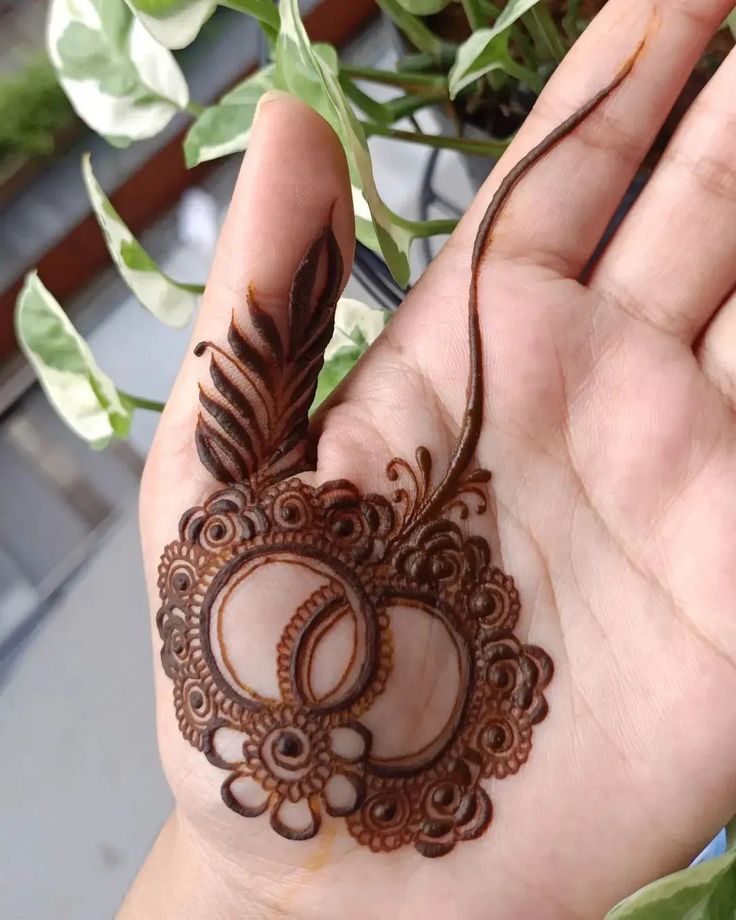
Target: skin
(609,427)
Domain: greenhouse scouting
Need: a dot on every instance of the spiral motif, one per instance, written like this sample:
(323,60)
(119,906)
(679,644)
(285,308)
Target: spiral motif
(435,555)
(290,507)
(387,819)
(219,531)
(495,603)
(503,739)
(195,708)
(361,528)
(175,649)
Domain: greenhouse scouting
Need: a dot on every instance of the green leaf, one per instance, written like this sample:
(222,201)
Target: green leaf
(730,23)
(225,128)
(364,228)
(169,301)
(173,23)
(475,14)
(357,326)
(424,7)
(572,22)
(265,11)
(301,71)
(415,30)
(487,49)
(84,397)
(546,36)
(328,56)
(117,77)
(703,892)
(160,8)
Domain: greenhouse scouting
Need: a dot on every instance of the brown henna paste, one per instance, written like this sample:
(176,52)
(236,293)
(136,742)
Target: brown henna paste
(366,555)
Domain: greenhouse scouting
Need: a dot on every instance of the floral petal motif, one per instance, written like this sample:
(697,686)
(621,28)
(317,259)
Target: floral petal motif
(226,748)
(296,820)
(350,742)
(343,794)
(243,795)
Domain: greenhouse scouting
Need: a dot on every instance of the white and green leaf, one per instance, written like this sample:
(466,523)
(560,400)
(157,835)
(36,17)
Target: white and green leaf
(84,397)
(264,11)
(357,326)
(487,49)
(225,127)
(303,72)
(120,80)
(176,23)
(706,891)
(169,301)
(364,228)
(173,23)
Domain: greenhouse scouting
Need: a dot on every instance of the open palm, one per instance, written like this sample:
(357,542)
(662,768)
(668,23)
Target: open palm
(610,432)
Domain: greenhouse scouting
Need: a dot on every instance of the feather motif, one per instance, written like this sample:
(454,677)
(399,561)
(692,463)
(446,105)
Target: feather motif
(254,410)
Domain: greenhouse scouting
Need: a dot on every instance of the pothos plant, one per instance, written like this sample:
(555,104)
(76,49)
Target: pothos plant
(484,62)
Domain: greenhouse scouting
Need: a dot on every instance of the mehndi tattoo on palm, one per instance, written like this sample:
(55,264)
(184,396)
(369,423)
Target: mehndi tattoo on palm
(365,560)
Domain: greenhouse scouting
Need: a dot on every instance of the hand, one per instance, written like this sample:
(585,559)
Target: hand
(610,431)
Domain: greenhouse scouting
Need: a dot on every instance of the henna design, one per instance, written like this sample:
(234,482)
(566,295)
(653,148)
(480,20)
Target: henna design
(301,747)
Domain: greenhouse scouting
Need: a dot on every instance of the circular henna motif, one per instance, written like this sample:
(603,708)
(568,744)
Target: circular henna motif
(331,635)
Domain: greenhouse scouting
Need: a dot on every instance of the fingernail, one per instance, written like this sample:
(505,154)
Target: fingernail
(270,96)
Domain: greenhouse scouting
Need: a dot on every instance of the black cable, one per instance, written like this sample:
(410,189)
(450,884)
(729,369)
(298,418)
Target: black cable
(373,274)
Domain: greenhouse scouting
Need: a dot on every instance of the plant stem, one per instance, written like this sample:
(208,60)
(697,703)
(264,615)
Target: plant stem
(423,228)
(383,113)
(195,108)
(474,14)
(371,107)
(413,28)
(525,75)
(420,61)
(433,85)
(404,106)
(544,32)
(140,402)
(186,286)
(464,145)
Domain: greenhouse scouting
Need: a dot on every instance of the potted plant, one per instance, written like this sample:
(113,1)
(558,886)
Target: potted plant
(481,63)
(36,121)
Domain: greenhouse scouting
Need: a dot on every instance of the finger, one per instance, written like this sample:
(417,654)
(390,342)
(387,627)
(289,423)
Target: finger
(717,350)
(561,210)
(294,181)
(672,261)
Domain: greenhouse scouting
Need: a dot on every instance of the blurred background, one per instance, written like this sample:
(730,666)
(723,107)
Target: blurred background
(83,796)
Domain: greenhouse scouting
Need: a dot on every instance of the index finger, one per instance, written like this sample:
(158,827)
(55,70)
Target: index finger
(293,182)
